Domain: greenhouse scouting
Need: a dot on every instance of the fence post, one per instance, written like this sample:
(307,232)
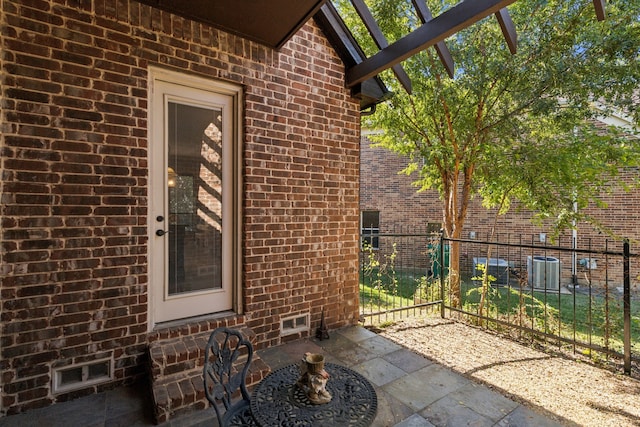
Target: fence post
(441,256)
(626,253)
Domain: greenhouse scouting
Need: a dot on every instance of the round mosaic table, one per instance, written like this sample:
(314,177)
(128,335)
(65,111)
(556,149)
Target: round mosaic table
(278,401)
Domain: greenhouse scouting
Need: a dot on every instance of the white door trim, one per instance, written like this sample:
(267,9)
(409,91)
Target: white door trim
(192,87)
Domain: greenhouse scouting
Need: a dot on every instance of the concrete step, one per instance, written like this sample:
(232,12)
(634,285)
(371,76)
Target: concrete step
(176,373)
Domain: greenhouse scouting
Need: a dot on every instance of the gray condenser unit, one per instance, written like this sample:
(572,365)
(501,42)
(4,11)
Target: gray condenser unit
(544,272)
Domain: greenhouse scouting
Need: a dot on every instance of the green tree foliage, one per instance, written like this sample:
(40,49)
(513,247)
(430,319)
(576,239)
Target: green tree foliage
(514,127)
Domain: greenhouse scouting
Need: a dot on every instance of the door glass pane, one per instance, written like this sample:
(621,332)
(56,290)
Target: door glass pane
(194,181)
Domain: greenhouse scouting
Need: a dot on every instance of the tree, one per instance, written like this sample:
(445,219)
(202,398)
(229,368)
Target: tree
(514,127)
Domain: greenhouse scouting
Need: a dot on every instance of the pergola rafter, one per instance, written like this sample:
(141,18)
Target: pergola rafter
(433,32)
(380,40)
(600,9)
(428,34)
(441,47)
(508,30)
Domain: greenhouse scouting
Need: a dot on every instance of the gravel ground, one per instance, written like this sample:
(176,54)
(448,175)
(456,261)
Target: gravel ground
(574,392)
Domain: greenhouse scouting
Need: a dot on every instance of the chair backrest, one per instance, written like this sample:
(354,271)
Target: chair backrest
(226,363)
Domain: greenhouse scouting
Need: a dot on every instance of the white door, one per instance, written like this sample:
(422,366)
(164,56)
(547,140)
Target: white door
(191,206)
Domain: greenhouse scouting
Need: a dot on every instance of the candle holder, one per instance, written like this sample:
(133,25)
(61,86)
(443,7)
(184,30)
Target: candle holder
(313,378)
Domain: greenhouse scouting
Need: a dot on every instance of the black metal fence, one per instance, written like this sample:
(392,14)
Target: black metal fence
(577,297)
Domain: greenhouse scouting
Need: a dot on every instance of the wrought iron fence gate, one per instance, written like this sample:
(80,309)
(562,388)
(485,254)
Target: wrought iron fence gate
(580,298)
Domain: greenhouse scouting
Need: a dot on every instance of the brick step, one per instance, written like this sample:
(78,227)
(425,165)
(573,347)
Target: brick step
(176,374)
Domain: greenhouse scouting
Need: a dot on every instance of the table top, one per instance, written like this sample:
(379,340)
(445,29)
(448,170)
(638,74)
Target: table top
(278,401)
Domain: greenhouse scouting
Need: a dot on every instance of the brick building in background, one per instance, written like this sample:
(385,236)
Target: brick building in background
(396,206)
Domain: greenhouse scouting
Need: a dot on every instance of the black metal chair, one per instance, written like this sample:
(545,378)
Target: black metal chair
(227,359)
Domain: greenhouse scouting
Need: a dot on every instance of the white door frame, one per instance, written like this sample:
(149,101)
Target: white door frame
(167,85)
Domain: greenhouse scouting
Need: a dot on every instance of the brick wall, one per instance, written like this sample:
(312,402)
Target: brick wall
(402,208)
(75,183)
(384,189)
(302,185)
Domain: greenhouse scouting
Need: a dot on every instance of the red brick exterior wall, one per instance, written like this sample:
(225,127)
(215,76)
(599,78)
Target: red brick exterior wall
(384,189)
(402,208)
(75,183)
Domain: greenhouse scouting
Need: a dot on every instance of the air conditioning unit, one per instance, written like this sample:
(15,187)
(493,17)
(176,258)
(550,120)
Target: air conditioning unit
(496,267)
(543,272)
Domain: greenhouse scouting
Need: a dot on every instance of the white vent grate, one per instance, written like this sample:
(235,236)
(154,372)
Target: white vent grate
(82,375)
(294,324)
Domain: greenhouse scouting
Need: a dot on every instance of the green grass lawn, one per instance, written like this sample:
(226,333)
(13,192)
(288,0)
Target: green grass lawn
(571,316)
(375,299)
(381,293)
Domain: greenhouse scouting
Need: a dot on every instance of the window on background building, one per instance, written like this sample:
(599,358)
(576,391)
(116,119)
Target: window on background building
(370,221)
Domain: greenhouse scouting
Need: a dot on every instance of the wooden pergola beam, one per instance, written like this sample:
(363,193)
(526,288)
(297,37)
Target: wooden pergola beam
(508,30)
(600,5)
(381,41)
(439,28)
(441,48)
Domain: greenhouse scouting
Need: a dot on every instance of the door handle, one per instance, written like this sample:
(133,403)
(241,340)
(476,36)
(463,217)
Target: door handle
(161,233)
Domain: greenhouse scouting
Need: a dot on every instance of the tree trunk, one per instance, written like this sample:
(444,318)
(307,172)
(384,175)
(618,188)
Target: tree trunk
(454,266)
(455,212)
(454,275)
